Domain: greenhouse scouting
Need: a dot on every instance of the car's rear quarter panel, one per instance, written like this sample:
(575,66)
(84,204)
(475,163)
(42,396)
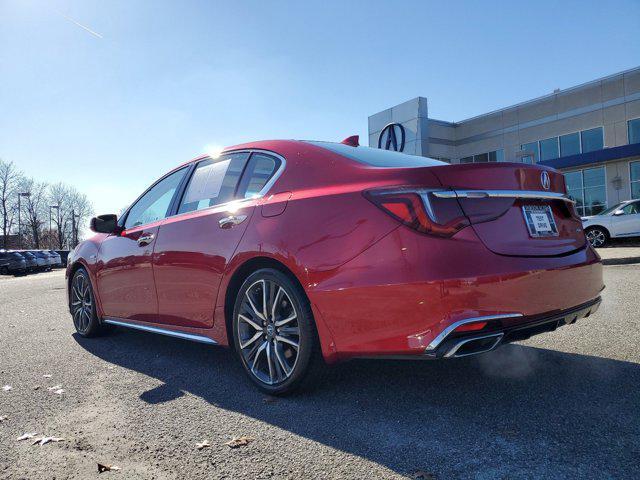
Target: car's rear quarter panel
(398,295)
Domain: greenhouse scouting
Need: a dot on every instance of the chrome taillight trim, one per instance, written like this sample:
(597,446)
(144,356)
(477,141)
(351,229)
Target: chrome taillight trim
(529,194)
(438,340)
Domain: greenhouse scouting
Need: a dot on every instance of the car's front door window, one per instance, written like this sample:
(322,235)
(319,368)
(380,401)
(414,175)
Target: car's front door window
(631,209)
(154,205)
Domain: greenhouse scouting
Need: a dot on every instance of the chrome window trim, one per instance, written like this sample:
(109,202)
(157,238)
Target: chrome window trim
(234,202)
(438,340)
(162,331)
(531,194)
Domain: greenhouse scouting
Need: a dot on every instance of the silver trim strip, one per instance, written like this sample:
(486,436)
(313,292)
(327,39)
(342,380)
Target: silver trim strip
(438,340)
(170,333)
(533,194)
(452,352)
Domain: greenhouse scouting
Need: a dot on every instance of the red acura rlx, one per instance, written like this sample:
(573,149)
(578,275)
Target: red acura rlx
(296,253)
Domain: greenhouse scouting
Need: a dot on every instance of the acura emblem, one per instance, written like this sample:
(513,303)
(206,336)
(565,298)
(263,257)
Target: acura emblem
(545,180)
(392,136)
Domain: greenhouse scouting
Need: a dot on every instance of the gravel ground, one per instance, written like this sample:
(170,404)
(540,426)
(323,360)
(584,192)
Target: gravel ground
(561,405)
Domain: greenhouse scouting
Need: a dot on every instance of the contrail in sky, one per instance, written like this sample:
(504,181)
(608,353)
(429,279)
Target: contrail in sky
(95,34)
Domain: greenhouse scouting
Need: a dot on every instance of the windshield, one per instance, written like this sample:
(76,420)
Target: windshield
(377,157)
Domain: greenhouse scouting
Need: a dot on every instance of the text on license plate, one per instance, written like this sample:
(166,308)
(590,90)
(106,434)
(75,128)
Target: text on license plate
(540,221)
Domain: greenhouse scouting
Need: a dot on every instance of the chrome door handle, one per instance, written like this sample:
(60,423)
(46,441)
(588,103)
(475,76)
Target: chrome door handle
(145,239)
(231,220)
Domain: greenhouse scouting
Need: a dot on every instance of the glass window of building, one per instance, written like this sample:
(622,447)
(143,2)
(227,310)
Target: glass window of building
(573,181)
(549,149)
(466,160)
(481,158)
(569,144)
(496,156)
(634,167)
(592,140)
(634,130)
(588,188)
(531,148)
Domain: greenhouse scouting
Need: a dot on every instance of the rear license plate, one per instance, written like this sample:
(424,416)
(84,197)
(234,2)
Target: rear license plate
(540,221)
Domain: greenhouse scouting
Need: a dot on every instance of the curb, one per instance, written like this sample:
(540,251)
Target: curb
(621,261)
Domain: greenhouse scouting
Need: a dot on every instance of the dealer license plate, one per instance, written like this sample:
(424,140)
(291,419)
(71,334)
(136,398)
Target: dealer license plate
(540,221)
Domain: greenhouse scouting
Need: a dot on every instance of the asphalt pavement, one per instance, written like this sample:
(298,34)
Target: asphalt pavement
(561,405)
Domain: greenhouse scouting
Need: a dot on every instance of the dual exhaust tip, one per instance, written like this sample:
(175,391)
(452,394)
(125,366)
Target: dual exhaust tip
(473,346)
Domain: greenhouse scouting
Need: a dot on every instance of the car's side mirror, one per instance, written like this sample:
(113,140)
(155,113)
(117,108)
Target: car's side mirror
(105,224)
(617,213)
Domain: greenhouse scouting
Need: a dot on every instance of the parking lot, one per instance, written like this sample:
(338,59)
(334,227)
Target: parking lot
(562,405)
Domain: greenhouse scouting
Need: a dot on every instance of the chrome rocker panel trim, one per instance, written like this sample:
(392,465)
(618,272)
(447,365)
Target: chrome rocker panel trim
(162,331)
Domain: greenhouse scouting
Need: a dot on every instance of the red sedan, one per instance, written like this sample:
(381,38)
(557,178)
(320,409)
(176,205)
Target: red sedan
(296,253)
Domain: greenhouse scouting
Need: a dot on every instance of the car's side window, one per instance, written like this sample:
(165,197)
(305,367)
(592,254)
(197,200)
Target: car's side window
(631,209)
(259,171)
(154,205)
(213,182)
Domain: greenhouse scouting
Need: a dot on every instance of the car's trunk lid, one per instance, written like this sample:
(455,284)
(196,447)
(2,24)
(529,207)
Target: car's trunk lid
(494,196)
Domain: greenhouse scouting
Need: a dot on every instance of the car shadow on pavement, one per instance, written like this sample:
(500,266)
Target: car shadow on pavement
(518,409)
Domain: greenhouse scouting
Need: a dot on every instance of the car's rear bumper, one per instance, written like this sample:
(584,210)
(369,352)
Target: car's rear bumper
(498,332)
(401,294)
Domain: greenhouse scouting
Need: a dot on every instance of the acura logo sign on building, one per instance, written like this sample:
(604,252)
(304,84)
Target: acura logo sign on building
(392,137)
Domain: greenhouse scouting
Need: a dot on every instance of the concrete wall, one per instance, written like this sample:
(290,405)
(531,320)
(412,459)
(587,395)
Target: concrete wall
(412,115)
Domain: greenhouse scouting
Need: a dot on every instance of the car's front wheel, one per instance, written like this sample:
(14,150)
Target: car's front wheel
(597,237)
(274,332)
(82,305)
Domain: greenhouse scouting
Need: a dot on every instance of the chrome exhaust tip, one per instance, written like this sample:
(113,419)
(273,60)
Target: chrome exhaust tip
(473,346)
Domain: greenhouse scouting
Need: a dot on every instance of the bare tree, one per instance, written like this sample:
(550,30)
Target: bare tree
(10,178)
(35,208)
(73,211)
(81,210)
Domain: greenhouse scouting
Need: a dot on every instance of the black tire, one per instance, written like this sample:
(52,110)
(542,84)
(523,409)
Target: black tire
(597,236)
(83,306)
(4,270)
(265,346)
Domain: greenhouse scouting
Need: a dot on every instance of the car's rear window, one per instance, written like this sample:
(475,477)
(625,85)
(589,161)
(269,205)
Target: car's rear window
(377,157)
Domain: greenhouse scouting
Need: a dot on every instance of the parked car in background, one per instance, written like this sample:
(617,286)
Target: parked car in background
(295,252)
(33,264)
(12,263)
(56,257)
(620,221)
(43,259)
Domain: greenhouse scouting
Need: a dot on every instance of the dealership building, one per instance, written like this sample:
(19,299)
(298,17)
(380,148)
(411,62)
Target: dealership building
(591,132)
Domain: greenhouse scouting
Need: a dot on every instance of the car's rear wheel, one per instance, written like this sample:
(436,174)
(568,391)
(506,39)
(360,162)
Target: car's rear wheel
(82,305)
(274,332)
(597,237)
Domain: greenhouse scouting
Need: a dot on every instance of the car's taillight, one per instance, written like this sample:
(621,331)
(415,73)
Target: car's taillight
(421,210)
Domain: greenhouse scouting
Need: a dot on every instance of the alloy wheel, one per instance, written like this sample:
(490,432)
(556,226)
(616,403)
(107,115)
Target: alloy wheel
(596,237)
(81,303)
(268,332)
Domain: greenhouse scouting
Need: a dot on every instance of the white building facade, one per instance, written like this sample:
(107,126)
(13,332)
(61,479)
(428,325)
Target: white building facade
(590,132)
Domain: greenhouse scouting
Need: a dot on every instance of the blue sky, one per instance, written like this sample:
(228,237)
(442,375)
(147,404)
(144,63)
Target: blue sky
(155,83)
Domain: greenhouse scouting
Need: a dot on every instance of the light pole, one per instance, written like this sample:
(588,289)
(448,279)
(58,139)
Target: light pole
(20,195)
(57,207)
(74,229)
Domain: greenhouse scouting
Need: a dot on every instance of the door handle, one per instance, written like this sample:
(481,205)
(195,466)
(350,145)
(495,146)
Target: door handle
(231,220)
(145,239)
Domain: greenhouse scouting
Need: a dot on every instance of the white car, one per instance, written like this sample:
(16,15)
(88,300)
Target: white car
(620,221)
